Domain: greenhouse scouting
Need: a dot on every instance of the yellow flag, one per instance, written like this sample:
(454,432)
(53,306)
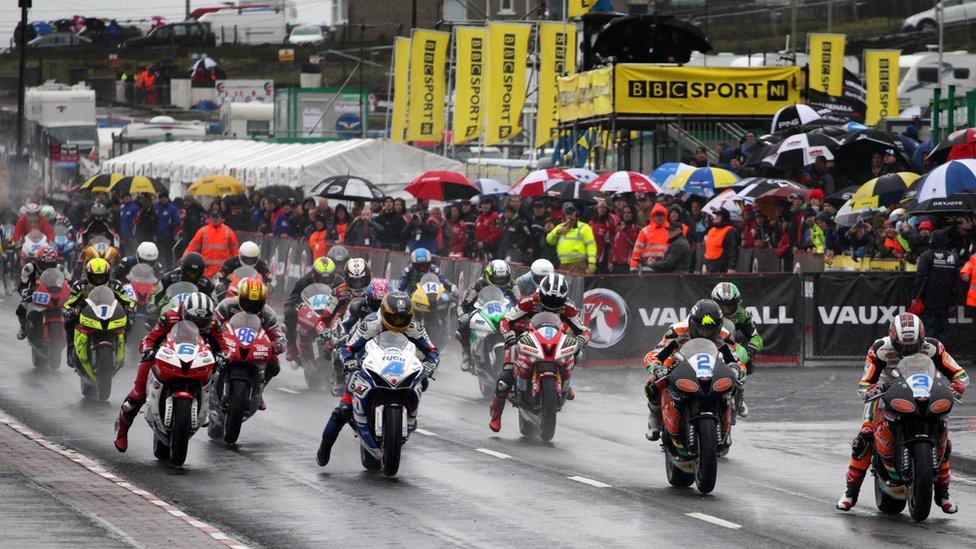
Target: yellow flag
(401,87)
(881,84)
(469,83)
(557,57)
(826,63)
(567,109)
(428,86)
(580,7)
(508,50)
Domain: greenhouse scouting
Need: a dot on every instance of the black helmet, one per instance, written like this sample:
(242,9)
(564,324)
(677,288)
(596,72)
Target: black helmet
(705,320)
(396,312)
(340,256)
(191,266)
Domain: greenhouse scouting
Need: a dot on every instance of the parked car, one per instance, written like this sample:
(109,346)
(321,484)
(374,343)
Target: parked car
(953,11)
(189,33)
(59,40)
(306,35)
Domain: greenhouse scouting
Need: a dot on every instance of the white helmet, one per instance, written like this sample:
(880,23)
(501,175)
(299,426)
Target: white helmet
(540,268)
(497,273)
(357,276)
(147,252)
(198,308)
(553,291)
(249,253)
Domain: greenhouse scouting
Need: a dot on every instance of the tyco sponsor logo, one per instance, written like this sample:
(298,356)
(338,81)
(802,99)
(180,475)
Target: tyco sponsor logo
(605,313)
(771,90)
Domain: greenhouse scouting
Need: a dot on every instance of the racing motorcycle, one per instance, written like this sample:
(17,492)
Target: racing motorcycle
(66,246)
(906,455)
(386,389)
(141,287)
(312,337)
(100,342)
(487,343)
(98,246)
(33,242)
(545,356)
(228,288)
(45,323)
(699,386)
(431,306)
(239,383)
(178,391)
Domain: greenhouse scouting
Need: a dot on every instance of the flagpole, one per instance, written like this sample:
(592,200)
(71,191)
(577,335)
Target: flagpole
(389,89)
(451,84)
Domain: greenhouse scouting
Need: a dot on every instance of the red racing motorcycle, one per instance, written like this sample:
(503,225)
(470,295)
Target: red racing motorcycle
(238,385)
(314,314)
(45,323)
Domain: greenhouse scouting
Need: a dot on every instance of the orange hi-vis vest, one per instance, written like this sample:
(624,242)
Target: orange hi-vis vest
(714,240)
(968,270)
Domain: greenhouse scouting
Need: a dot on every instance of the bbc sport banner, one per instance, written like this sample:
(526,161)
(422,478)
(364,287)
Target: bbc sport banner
(469,83)
(508,49)
(557,57)
(826,63)
(646,89)
(579,8)
(881,83)
(428,86)
(401,88)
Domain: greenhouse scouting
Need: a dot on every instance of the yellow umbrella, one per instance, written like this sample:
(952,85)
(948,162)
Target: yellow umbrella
(703,181)
(100,182)
(216,185)
(137,184)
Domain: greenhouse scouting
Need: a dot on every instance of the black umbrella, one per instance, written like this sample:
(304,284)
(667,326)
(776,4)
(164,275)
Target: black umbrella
(348,187)
(838,198)
(281,192)
(682,34)
(857,148)
(626,39)
(571,190)
(959,203)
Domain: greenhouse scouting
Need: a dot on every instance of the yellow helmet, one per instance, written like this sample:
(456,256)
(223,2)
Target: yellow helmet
(396,312)
(97,271)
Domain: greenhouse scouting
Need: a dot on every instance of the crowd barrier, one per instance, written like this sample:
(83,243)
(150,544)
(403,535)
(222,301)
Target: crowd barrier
(802,316)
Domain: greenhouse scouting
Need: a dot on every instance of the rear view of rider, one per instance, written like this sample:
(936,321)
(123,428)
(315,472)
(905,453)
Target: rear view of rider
(497,273)
(420,264)
(704,321)
(551,297)
(99,225)
(906,337)
(46,258)
(323,272)
(197,308)
(340,256)
(190,270)
(729,300)
(527,284)
(248,256)
(31,220)
(395,315)
(146,253)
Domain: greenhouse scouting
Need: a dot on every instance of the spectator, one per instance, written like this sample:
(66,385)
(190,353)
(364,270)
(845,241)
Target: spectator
(890,163)
(701,158)
(895,245)
(813,237)
(146,222)
(537,228)
(644,206)
(877,165)
(677,258)
(821,176)
(781,242)
(216,242)
(573,239)
(487,230)
(340,223)
(750,231)
(652,241)
(831,242)
(547,250)
(364,231)
(318,240)
(603,224)
(815,200)
(678,217)
(515,236)
(624,238)
(436,218)
(168,219)
(421,232)
(920,241)
(937,285)
(283,223)
(455,232)
(127,220)
(393,227)
(748,141)
(721,244)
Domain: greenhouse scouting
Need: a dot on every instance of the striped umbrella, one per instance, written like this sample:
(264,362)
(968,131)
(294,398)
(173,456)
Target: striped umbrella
(538,182)
(703,181)
(792,116)
(99,182)
(768,188)
(582,174)
(726,199)
(623,182)
(948,179)
(663,174)
(797,151)
(135,184)
(883,191)
(491,186)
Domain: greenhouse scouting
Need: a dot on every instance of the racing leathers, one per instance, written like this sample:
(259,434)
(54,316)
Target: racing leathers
(352,353)
(877,376)
(743,328)
(269,323)
(72,309)
(295,299)
(29,274)
(515,323)
(411,277)
(466,311)
(203,284)
(659,361)
(234,263)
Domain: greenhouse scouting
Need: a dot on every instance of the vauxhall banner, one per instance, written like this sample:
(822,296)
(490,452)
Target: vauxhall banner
(826,63)
(627,315)
(401,87)
(648,89)
(428,63)
(557,57)
(508,49)
(881,83)
(469,83)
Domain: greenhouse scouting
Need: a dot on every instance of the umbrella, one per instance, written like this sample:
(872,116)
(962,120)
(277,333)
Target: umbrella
(762,187)
(726,199)
(961,203)
(491,186)
(215,185)
(797,151)
(100,182)
(791,116)
(570,191)
(874,195)
(857,148)
(442,185)
(134,184)
(838,198)
(348,187)
(623,182)
(663,174)
(538,182)
(582,174)
(283,193)
(206,63)
(957,145)
(703,181)
(951,178)
(626,39)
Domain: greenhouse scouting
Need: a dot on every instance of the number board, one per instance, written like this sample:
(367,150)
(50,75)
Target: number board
(246,335)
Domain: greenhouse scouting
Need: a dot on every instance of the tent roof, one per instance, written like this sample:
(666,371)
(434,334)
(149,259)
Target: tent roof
(257,164)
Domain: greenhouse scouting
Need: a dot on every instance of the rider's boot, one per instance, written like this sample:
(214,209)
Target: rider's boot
(653,422)
(340,416)
(861,446)
(854,479)
(467,363)
(22,320)
(339,386)
(943,500)
(127,413)
(496,408)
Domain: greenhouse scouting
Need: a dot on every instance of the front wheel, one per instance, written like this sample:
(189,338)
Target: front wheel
(706,468)
(104,365)
(39,360)
(392,439)
(549,399)
(526,427)
(160,450)
(181,430)
(238,402)
(920,490)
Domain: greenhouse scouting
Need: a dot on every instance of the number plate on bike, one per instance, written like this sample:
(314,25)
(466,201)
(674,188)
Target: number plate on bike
(41,298)
(704,364)
(921,385)
(246,335)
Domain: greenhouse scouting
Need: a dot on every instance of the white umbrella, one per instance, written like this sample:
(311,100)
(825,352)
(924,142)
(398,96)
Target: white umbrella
(729,200)
(491,186)
(582,174)
(205,62)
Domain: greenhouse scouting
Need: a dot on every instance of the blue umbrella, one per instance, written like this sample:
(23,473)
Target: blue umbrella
(948,179)
(664,173)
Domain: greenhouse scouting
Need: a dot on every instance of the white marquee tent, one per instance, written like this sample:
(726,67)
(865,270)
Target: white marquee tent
(257,164)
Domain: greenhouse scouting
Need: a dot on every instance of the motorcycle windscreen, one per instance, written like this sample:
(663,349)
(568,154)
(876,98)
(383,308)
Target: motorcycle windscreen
(143,274)
(702,354)
(53,279)
(432,284)
(185,332)
(919,373)
(546,319)
(243,272)
(245,327)
(489,294)
(319,297)
(103,304)
(176,293)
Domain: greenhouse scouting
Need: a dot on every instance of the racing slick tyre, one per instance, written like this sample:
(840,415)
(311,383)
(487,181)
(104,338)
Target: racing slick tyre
(550,404)
(181,431)
(706,467)
(392,439)
(920,491)
(238,402)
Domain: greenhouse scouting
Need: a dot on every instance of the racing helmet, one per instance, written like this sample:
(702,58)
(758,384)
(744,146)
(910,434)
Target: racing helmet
(191,267)
(553,290)
(420,260)
(705,320)
(340,256)
(540,268)
(251,295)
(46,258)
(498,273)
(99,211)
(147,252)
(97,271)
(376,293)
(396,312)
(907,334)
(728,297)
(32,209)
(47,212)
(357,276)
(324,268)
(198,308)
(249,253)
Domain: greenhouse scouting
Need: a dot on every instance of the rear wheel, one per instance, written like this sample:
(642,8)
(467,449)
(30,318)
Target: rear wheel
(677,477)
(920,491)
(887,504)
(238,401)
(181,430)
(547,417)
(160,450)
(104,364)
(706,469)
(392,439)
(369,462)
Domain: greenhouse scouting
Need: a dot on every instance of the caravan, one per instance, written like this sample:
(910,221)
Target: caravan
(249,25)
(920,75)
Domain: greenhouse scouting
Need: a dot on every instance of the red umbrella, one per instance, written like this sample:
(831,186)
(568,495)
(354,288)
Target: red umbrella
(958,145)
(623,182)
(443,186)
(539,182)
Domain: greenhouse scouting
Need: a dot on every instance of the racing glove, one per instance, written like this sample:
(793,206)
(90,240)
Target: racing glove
(583,341)
(872,391)
(464,319)
(350,366)
(751,350)
(148,354)
(958,387)
(429,369)
(510,338)
(278,347)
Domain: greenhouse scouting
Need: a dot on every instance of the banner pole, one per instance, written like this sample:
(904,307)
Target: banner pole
(451,84)
(389,90)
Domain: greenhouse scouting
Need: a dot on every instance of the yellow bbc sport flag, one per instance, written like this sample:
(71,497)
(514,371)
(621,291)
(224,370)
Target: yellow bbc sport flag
(428,85)
(557,57)
(578,8)
(469,83)
(826,63)
(508,49)
(401,88)
(881,84)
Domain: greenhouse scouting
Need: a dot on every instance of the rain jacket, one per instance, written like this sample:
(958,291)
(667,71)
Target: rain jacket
(216,245)
(574,246)
(652,241)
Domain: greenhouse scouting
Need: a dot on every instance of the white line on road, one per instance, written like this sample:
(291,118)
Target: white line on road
(493,453)
(715,520)
(589,481)
(289,391)
(424,432)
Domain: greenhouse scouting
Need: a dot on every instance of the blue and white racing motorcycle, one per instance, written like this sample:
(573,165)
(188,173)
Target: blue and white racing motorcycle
(386,394)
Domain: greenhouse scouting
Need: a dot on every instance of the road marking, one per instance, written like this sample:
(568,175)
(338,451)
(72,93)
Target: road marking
(424,432)
(715,520)
(289,391)
(493,453)
(589,481)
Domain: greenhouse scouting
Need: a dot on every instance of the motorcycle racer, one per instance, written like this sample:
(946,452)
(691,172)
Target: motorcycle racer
(96,274)
(190,270)
(30,220)
(527,284)
(247,256)
(46,258)
(323,272)
(420,264)
(906,336)
(727,295)
(497,273)
(146,253)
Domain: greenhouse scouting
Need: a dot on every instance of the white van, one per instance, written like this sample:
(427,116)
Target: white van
(248,26)
(920,75)
(62,112)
